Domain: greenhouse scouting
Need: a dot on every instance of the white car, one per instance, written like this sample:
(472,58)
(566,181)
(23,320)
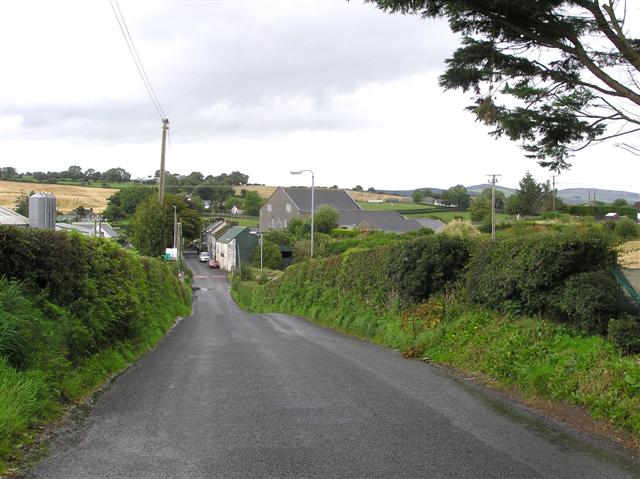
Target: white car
(204,257)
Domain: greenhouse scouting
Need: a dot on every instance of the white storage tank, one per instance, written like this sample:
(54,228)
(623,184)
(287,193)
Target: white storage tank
(42,211)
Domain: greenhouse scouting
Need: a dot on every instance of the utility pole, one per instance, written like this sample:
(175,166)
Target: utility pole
(260,256)
(553,193)
(493,182)
(165,127)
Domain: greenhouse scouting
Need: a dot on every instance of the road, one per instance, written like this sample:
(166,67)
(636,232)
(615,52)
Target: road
(230,394)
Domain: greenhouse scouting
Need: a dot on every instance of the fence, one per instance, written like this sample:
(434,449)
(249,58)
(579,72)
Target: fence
(629,279)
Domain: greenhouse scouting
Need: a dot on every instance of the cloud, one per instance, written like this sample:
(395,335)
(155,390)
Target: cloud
(220,68)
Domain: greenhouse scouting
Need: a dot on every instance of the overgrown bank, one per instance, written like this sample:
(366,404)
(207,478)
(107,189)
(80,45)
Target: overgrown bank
(73,311)
(532,313)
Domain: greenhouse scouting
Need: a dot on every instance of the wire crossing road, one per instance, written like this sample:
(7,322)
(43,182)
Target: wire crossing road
(228,394)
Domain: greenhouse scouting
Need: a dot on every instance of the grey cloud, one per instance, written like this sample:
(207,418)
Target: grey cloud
(226,65)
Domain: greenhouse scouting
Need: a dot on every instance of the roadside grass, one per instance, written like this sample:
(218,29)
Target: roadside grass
(542,359)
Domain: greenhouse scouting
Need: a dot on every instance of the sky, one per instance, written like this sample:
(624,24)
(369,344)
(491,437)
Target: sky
(259,86)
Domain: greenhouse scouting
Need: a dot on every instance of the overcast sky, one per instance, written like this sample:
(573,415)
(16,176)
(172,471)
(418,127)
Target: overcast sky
(258,86)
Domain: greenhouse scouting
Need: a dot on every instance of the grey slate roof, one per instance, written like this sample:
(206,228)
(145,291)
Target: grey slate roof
(339,199)
(435,225)
(396,224)
(352,218)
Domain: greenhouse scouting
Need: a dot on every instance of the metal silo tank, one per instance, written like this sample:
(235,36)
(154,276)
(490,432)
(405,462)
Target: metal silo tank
(42,211)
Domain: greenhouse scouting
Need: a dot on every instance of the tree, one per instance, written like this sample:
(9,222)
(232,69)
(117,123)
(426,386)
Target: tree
(92,175)
(81,212)
(116,175)
(125,202)
(457,196)
(527,200)
(555,75)
(480,208)
(149,227)
(7,172)
(271,255)
(215,192)
(325,219)
(252,203)
(620,202)
(188,217)
(22,204)
(417,196)
(357,188)
(500,198)
(371,189)
(74,172)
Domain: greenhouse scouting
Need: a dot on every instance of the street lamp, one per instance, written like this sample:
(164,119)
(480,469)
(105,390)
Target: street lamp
(175,226)
(312,201)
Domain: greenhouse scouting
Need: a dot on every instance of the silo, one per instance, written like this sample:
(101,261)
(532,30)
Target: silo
(42,211)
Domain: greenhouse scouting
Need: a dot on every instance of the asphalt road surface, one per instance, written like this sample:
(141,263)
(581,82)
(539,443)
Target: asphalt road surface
(230,394)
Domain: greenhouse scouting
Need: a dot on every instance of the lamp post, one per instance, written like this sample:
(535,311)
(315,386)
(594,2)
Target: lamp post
(175,227)
(298,172)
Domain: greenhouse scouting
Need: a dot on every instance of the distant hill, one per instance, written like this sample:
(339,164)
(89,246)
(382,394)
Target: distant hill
(568,195)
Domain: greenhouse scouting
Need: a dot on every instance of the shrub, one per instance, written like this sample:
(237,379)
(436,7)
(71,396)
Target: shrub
(427,265)
(460,227)
(626,229)
(531,270)
(588,300)
(625,333)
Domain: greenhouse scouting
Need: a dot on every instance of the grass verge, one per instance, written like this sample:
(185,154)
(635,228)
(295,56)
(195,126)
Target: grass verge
(540,358)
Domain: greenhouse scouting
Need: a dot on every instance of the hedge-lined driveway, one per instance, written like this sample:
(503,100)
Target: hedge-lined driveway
(229,394)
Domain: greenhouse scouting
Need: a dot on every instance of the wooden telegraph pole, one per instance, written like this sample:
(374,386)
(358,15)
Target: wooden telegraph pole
(165,127)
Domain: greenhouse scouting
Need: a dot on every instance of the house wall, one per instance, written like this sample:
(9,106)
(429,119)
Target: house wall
(275,214)
(227,255)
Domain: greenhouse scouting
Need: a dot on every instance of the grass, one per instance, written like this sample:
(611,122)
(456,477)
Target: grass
(248,222)
(629,256)
(392,206)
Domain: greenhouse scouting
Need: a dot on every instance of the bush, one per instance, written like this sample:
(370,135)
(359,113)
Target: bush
(427,265)
(460,227)
(625,333)
(531,271)
(588,300)
(626,229)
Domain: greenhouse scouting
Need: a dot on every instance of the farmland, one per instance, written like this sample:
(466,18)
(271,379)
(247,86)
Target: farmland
(67,197)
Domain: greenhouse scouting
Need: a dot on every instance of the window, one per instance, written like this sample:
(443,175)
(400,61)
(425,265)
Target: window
(285,222)
(269,208)
(288,208)
(273,222)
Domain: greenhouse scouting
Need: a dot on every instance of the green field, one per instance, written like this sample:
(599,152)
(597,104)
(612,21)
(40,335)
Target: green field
(446,216)
(248,222)
(392,206)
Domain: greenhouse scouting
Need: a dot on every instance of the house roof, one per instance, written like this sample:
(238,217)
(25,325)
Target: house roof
(339,199)
(395,225)
(435,225)
(88,229)
(352,218)
(232,233)
(10,217)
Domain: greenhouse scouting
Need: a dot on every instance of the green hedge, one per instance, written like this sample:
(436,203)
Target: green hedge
(445,298)
(562,276)
(600,210)
(72,311)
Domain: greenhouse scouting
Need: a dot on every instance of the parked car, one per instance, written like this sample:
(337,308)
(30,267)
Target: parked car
(204,257)
(213,264)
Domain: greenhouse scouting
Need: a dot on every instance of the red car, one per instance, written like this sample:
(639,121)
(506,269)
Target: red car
(213,264)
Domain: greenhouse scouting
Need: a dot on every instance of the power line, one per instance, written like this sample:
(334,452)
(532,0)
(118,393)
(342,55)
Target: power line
(136,57)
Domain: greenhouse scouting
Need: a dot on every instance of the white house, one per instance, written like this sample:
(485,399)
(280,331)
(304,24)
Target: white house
(235,210)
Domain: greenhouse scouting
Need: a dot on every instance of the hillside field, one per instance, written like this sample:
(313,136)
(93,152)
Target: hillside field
(67,197)
(266,191)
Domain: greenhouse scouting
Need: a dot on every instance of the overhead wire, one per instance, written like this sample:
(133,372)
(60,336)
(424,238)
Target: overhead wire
(136,57)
